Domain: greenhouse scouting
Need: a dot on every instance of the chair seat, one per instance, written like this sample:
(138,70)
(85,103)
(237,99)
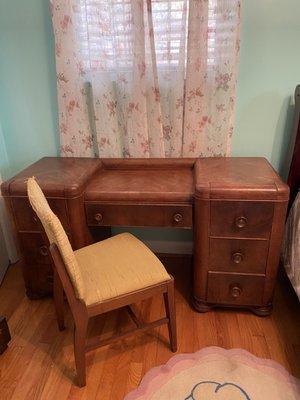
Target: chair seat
(118,266)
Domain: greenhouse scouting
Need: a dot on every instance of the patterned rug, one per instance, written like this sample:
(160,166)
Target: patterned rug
(217,374)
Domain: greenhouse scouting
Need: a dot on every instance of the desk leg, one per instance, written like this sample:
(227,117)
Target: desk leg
(80,234)
(201,253)
(201,306)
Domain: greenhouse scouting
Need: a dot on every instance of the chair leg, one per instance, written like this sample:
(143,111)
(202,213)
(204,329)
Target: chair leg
(58,295)
(80,331)
(169,300)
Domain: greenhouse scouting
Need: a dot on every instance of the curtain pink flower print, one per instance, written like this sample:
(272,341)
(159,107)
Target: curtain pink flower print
(146,78)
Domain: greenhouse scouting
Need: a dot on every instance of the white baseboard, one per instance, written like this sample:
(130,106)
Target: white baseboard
(170,247)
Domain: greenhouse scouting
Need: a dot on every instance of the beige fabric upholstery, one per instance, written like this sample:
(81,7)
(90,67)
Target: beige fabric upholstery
(56,234)
(117,266)
(104,270)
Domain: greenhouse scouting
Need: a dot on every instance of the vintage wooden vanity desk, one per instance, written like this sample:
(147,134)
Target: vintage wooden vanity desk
(236,207)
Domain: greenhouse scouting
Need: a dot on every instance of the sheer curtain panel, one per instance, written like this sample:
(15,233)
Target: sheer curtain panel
(146,78)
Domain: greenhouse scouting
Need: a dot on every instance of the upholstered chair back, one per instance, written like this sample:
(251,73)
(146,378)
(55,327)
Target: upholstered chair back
(56,234)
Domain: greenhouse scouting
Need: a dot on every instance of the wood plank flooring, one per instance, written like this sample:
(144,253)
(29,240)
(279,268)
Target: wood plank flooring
(39,362)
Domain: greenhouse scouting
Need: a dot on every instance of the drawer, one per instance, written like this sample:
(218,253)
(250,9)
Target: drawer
(238,255)
(34,249)
(241,219)
(235,289)
(139,215)
(27,220)
(38,280)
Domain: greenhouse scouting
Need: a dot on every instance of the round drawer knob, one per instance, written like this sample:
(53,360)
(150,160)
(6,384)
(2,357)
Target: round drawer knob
(177,217)
(237,258)
(241,222)
(235,291)
(98,217)
(44,250)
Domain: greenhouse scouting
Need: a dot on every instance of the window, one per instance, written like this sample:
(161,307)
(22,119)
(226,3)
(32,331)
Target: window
(105,32)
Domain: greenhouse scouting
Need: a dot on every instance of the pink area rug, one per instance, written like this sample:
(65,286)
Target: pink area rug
(217,374)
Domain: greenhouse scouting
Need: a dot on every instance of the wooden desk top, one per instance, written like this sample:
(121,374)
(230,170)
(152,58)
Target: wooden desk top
(57,176)
(152,180)
(140,182)
(238,177)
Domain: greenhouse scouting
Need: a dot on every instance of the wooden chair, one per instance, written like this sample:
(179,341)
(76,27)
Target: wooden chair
(114,273)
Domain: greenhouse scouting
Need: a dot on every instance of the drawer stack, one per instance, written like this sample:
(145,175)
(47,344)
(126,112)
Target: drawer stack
(62,181)
(239,216)
(37,263)
(238,251)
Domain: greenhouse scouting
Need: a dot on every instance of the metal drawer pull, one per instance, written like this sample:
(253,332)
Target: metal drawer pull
(241,222)
(177,217)
(98,217)
(235,291)
(44,250)
(237,258)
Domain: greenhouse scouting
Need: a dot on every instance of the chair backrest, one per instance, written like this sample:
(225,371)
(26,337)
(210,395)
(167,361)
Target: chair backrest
(56,234)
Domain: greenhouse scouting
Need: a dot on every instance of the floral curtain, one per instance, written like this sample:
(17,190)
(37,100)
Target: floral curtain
(146,78)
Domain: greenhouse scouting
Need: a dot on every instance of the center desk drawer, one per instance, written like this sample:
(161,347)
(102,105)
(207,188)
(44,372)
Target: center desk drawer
(139,215)
(248,219)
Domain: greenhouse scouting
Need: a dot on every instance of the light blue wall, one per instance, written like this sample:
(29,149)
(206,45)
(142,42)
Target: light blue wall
(268,73)
(5,171)
(28,107)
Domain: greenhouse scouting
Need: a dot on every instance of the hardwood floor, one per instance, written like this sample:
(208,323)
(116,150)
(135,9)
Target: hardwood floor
(39,362)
